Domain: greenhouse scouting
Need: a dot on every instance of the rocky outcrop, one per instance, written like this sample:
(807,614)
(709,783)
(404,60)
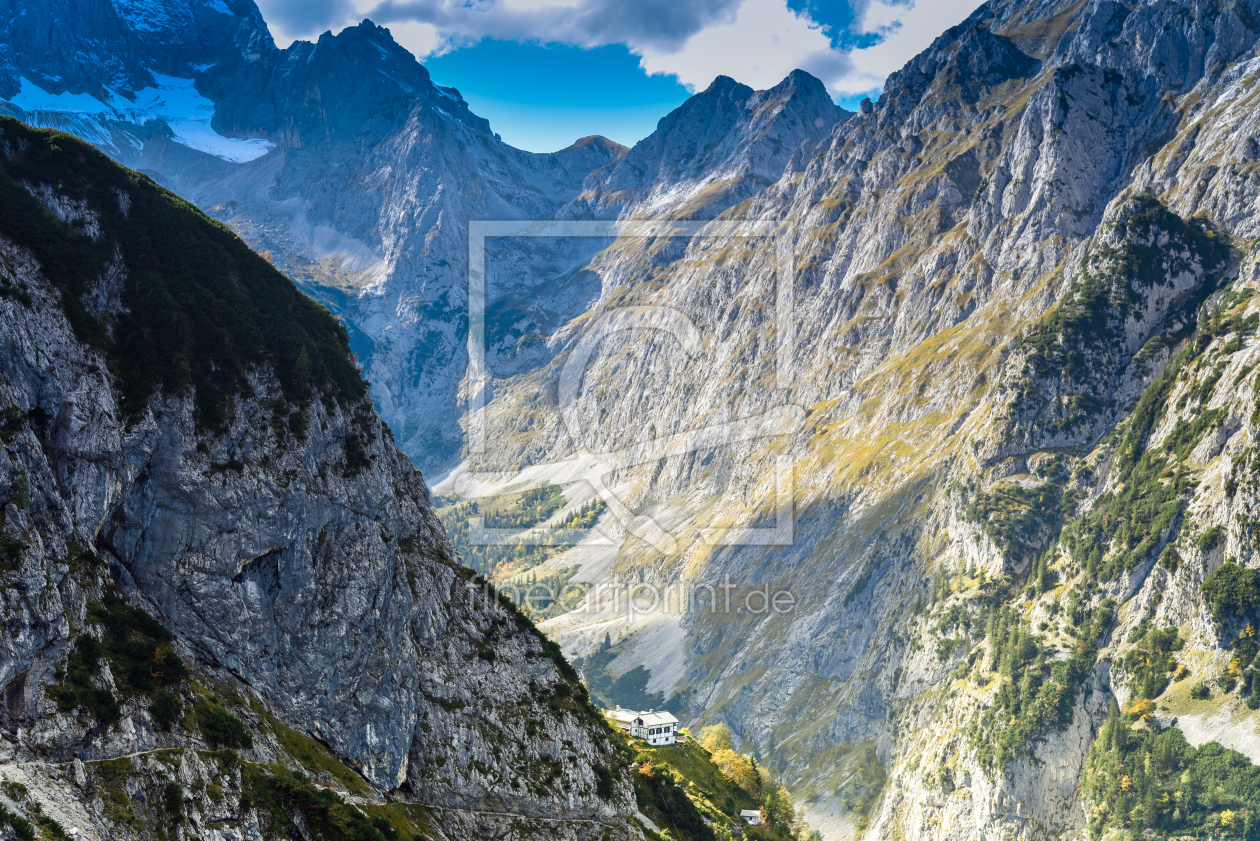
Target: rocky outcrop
(958,389)
(72,46)
(290,550)
(721,146)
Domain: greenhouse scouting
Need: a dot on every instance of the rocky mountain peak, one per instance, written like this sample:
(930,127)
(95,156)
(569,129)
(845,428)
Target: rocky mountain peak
(962,62)
(720,146)
(356,83)
(585,156)
(803,80)
(82,46)
(599,141)
(722,83)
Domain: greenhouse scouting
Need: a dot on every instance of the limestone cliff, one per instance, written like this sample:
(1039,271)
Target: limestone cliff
(1008,298)
(186,439)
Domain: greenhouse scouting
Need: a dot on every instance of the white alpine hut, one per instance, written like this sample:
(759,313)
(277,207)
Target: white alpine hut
(653,727)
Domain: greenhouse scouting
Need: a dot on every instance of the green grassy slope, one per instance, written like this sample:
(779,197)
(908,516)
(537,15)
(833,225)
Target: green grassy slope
(685,794)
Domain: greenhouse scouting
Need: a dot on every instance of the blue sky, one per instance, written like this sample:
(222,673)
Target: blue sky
(544,97)
(546,72)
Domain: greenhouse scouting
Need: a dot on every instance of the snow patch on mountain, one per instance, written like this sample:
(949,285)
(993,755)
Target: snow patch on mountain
(174,102)
(34,98)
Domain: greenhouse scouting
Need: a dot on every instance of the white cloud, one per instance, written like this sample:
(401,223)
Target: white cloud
(881,18)
(422,39)
(906,30)
(757,42)
(763,43)
(537,5)
(656,24)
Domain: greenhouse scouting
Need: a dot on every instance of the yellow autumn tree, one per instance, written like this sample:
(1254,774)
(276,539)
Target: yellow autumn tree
(736,768)
(1139,708)
(716,737)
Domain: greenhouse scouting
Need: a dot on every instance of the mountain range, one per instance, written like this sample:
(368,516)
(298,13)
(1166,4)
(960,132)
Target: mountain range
(978,390)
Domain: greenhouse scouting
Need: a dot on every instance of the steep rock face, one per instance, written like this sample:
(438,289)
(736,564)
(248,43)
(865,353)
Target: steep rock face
(290,549)
(366,85)
(938,241)
(1073,376)
(67,46)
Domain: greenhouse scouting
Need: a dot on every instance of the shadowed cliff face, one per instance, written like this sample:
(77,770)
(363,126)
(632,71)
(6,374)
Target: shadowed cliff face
(76,47)
(286,544)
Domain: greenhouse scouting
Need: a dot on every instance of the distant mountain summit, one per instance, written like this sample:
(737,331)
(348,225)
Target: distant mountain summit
(719,147)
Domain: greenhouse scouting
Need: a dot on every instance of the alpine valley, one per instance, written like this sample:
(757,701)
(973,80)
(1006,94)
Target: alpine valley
(970,377)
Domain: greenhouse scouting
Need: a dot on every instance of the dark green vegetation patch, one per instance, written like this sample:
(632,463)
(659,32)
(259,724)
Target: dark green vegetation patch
(1037,691)
(1017,519)
(220,728)
(23,830)
(1233,591)
(1154,483)
(201,307)
(659,796)
(1071,360)
(281,796)
(140,656)
(1153,783)
(1152,660)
